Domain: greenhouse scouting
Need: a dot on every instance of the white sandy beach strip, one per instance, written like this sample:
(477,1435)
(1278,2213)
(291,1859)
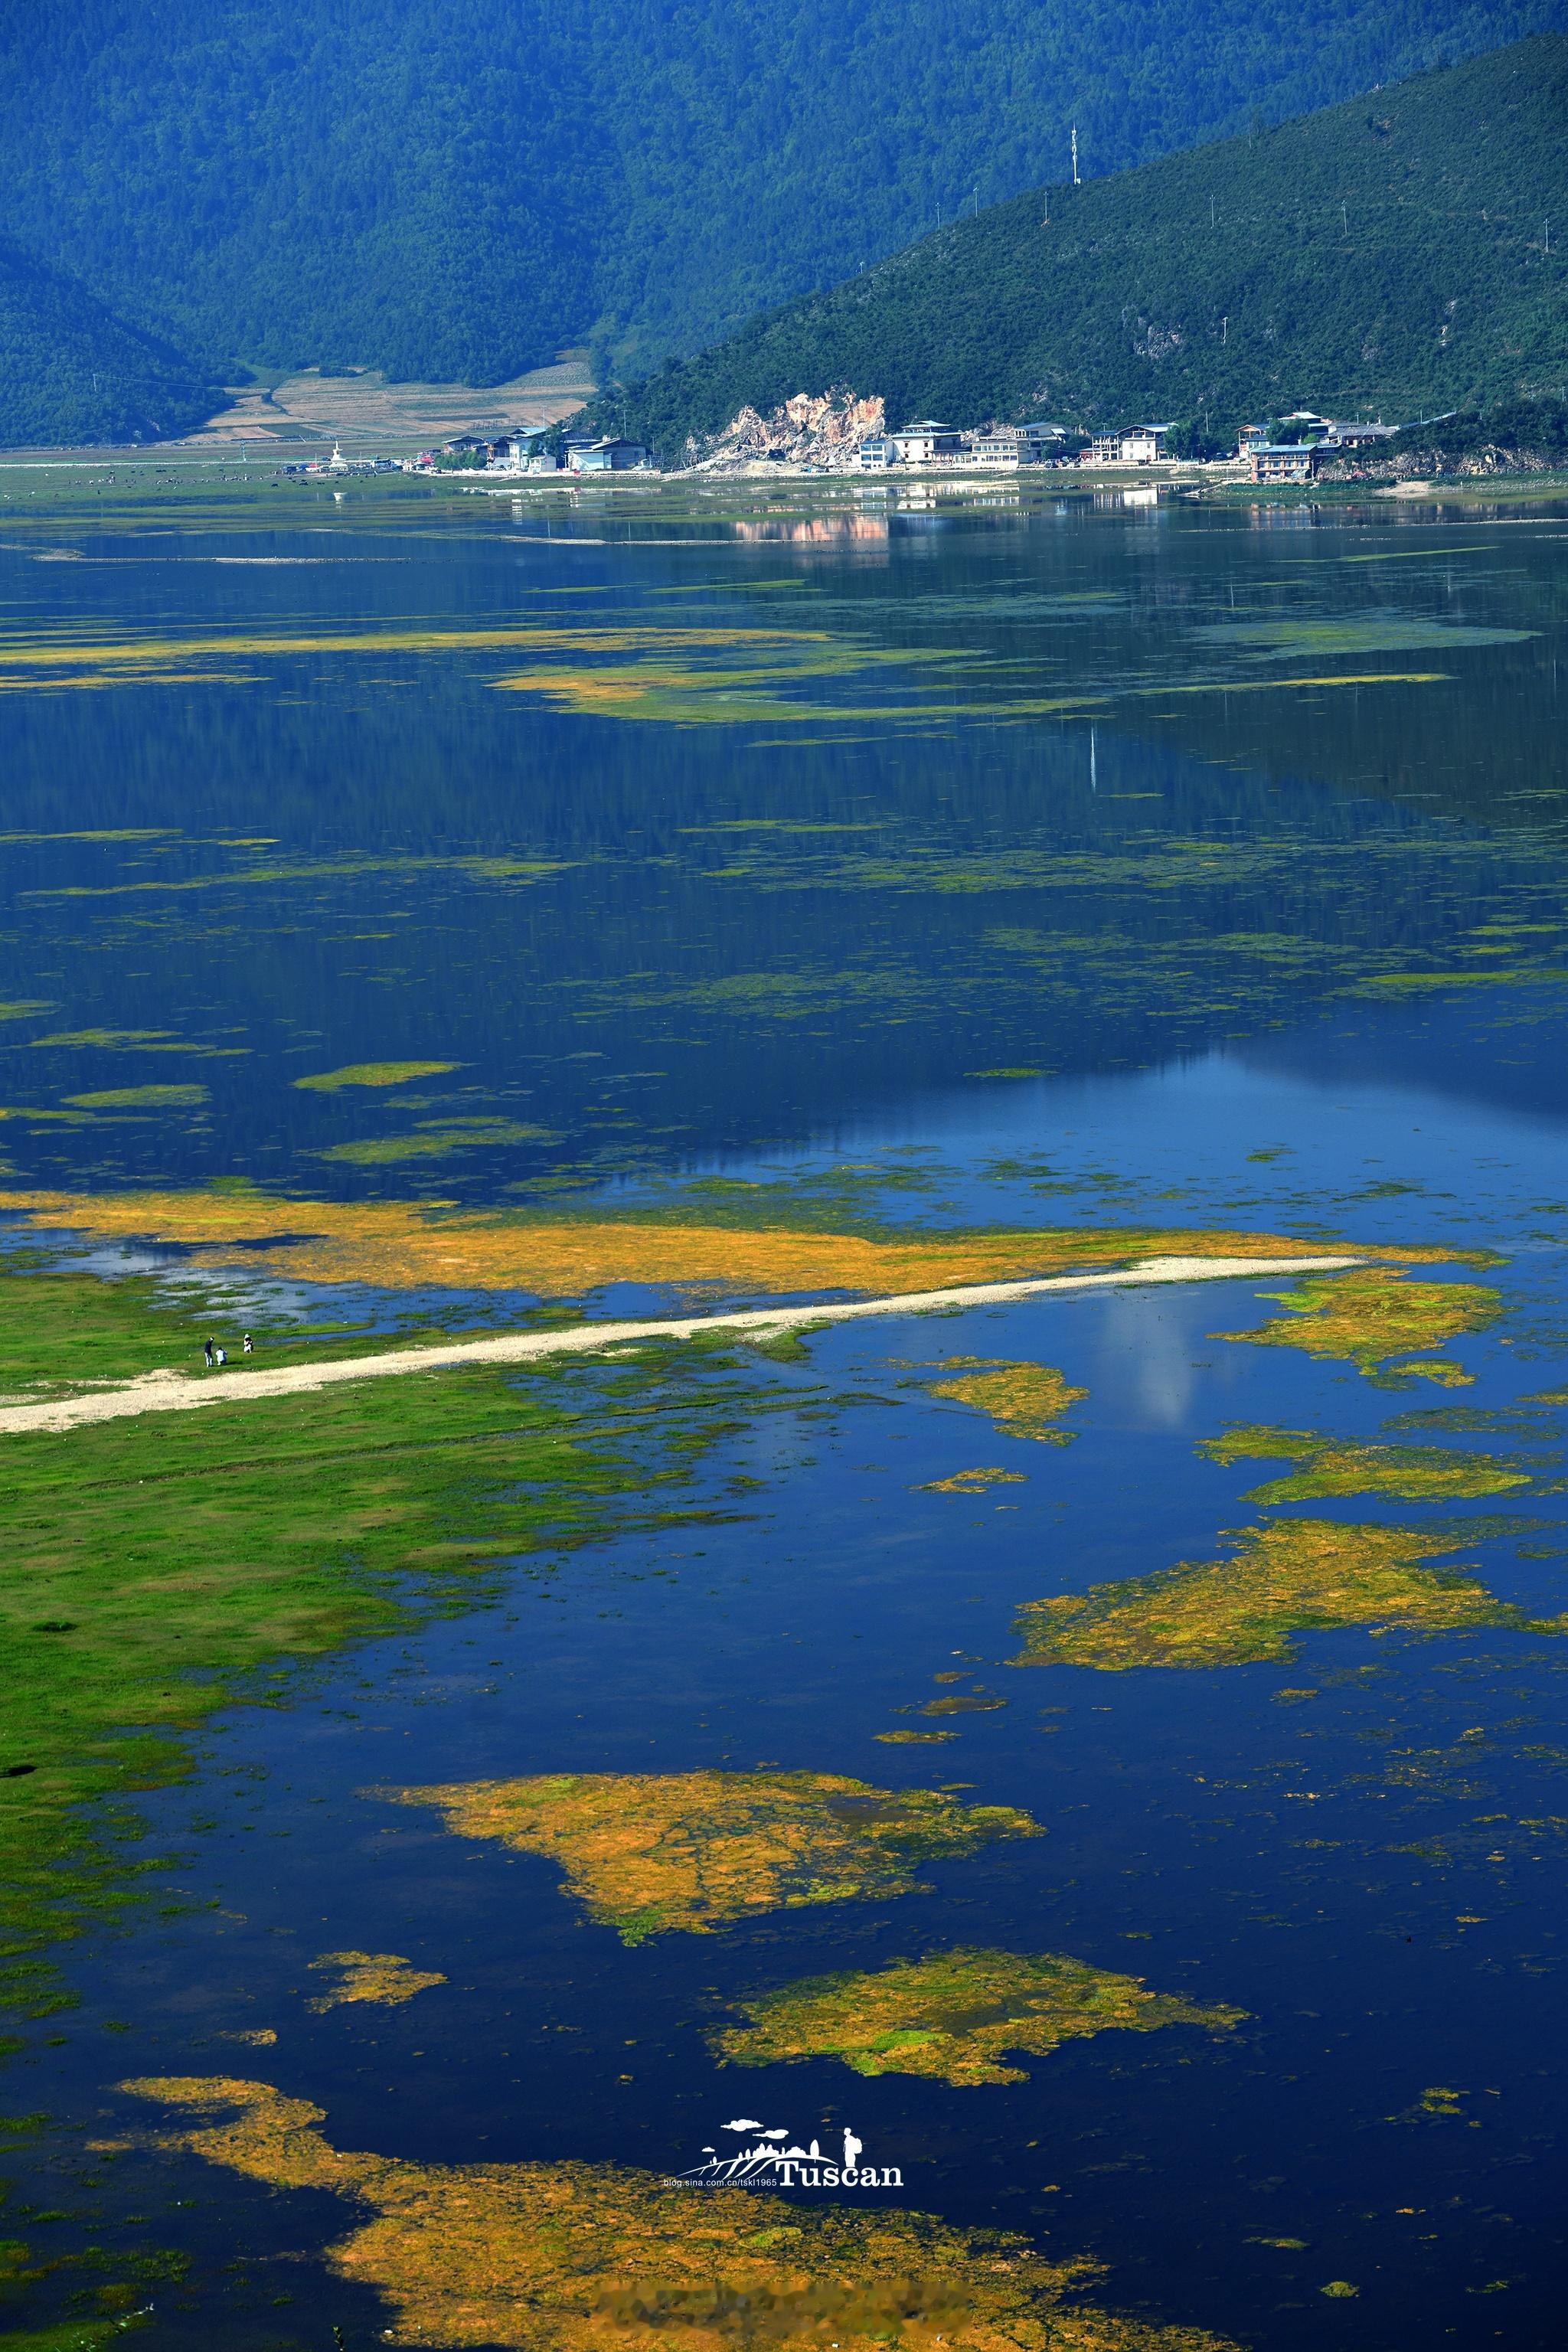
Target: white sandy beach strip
(238,1384)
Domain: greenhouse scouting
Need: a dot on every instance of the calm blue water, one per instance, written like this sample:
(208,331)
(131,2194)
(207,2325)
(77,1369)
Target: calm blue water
(1082,965)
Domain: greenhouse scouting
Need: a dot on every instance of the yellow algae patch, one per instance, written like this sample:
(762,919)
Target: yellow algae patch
(1373,1314)
(965,1703)
(912,1739)
(650,1851)
(384,1977)
(972,1482)
(725,692)
(1296,1576)
(409,1244)
(1024,1399)
(1288,685)
(139,1097)
(952,2014)
(19,652)
(372,1073)
(1330,1465)
(589,2257)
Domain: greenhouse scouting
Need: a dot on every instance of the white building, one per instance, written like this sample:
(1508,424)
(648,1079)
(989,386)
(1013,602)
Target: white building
(919,444)
(1136,445)
(1144,445)
(1016,445)
(615,455)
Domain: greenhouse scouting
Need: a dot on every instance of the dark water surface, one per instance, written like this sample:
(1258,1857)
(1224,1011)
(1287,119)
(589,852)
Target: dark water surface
(1145,864)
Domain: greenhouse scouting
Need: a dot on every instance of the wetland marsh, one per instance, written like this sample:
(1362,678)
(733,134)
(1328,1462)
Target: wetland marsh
(1080,1776)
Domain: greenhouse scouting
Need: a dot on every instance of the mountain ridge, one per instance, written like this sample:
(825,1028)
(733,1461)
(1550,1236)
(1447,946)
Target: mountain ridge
(457,189)
(73,372)
(1392,251)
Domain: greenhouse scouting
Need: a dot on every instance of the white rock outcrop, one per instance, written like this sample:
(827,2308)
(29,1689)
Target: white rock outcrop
(820,429)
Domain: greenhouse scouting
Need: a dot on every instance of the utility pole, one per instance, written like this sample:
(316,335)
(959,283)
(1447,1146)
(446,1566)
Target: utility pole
(1075,178)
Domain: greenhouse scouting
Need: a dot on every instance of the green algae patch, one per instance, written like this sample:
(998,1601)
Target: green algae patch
(1026,1399)
(386,1978)
(371,1074)
(1295,1576)
(646,1853)
(953,2015)
(436,1139)
(1380,632)
(588,2257)
(171,1098)
(137,1040)
(68,2335)
(147,1585)
(1331,1465)
(1372,1314)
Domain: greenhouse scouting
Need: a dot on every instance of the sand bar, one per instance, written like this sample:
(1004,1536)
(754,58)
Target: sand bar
(241,1383)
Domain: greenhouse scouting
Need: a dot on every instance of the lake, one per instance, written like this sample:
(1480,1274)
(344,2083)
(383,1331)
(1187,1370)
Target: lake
(1089,1766)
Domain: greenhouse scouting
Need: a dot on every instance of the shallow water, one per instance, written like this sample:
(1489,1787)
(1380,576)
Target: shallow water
(972,867)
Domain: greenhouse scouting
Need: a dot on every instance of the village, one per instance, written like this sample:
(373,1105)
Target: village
(835,434)
(1287,451)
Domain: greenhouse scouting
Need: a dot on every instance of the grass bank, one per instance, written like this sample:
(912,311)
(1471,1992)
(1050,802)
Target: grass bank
(153,1578)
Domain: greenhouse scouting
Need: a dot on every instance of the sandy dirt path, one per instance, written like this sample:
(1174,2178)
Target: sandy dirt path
(238,1384)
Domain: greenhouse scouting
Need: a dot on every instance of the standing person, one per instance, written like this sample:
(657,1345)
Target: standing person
(244,1343)
(207,1351)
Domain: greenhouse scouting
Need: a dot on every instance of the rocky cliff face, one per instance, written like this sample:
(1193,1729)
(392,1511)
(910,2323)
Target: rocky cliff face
(820,429)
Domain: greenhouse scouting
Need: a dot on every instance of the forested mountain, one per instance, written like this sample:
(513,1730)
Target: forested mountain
(1392,253)
(457,188)
(70,372)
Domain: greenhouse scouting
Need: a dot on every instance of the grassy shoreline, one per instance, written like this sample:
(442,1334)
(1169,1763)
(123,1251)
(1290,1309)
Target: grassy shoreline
(149,1586)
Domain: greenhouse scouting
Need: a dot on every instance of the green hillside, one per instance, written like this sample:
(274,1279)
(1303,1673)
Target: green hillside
(459,188)
(1386,255)
(72,372)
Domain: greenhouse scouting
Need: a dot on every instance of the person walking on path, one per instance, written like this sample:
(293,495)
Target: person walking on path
(207,1351)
